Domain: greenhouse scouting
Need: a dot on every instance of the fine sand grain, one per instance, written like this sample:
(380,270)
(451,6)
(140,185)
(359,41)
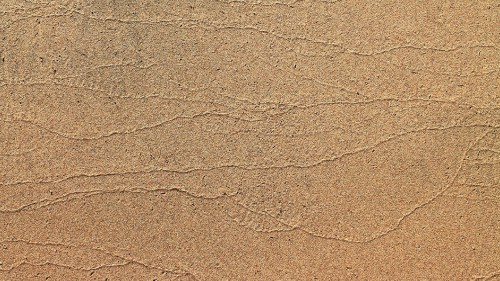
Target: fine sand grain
(249,140)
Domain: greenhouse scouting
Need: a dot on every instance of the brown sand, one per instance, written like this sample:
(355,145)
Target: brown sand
(249,140)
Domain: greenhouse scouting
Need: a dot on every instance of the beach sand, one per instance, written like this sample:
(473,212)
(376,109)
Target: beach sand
(249,140)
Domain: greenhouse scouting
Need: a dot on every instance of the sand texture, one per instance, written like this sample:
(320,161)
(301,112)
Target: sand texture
(249,140)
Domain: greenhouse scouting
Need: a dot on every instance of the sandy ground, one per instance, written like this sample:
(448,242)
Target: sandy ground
(249,140)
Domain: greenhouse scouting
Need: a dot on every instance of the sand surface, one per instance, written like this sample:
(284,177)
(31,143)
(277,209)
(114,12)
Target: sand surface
(249,140)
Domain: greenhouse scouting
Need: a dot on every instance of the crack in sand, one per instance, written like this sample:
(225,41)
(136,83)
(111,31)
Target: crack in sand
(249,168)
(126,261)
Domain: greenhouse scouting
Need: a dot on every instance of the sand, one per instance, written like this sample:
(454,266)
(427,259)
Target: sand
(249,140)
